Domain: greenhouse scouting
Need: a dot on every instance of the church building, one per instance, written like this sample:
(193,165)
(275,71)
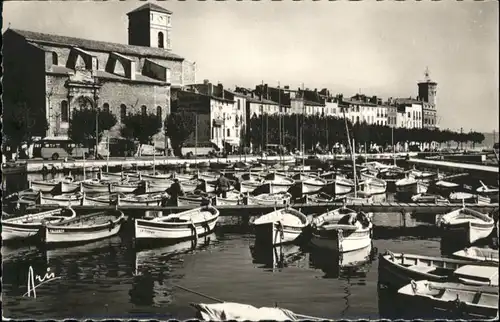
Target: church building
(57,74)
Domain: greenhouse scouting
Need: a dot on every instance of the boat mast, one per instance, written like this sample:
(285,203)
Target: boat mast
(354,169)
(303,120)
(393,147)
(196,138)
(154,157)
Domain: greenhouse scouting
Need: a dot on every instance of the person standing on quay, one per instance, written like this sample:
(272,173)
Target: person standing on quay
(175,190)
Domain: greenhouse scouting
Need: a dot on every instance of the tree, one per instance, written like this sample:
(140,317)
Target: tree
(21,123)
(178,127)
(140,128)
(82,125)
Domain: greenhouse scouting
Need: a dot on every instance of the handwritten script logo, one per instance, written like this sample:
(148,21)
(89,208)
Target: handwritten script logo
(41,280)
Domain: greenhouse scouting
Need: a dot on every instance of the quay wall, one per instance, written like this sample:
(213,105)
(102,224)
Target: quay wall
(33,166)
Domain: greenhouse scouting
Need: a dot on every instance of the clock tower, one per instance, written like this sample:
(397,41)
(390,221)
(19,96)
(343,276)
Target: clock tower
(427,90)
(150,26)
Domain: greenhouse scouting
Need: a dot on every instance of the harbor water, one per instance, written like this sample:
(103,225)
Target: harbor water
(112,278)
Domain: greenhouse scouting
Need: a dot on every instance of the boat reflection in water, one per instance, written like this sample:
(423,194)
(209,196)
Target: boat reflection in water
(279,256)
(153,269)
(356,263)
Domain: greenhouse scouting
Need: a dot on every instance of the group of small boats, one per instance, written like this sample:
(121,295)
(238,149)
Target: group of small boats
(462,287)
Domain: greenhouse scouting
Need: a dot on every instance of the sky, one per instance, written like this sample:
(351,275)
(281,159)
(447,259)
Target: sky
(370,47)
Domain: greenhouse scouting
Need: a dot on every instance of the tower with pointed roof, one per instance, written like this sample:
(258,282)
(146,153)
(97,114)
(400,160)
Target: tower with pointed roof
(150,26)
(427,89)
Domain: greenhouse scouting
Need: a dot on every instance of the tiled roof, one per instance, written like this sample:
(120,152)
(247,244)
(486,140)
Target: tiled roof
(151,7)
(62,70)
(306,102)
(95,45)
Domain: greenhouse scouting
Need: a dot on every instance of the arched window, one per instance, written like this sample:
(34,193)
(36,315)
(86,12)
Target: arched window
(105,107)
(160,40)
(357,119)
(158,112)
(143,110)
(123,111)
(64,111)
(55,61)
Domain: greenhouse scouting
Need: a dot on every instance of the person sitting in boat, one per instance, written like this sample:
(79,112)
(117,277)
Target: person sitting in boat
(222,186)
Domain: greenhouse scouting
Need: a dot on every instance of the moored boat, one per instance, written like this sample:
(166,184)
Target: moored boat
(471,223)
(451,300)
(430,198)
(60,200)
(67,184)
(408,187)
(309,184)
(187,224)
(269,199)
(280,226)
(373,186)
(125,187)
(345,233)
(190,200)
(94,186)
(84,228)
(278,183)
(397,269)
(228,311)
(29,225)
(343,185)
(249,185)
(478,254)
(488,191)
(232,198)
(465,197)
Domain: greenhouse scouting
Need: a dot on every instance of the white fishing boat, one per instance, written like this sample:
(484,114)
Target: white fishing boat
(249,185)
(397,269)
(190,185)
(47,186)
(408,187)
(343,185)
(232,198)
(60,200)
(157,177)
(125,187)
(445,188)
(269,199)
(478,254)
(451,300)
(148,199)
(182,177)
(308,183)
(373,186)
(461,197)
(278,183)
(359,197)
(187,224)
(84,228)
(477,275)
(207,177)
(95,186)
(322,198)
(160,185)
(488,191)
(280,226)
(345,233)
(190,200)
(117,176)
(422,175)
(228,311)
(101,200)
(471,223)
(430,198)
(30,224)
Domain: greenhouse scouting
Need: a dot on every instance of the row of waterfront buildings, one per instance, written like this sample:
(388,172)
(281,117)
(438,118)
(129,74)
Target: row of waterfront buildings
(57,74)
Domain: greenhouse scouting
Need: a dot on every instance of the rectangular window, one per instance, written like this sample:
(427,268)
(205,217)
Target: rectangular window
(228,132)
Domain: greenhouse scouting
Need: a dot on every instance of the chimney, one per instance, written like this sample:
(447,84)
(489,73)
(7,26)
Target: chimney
(210,89)
(206,82)
(266,92)
(220,89)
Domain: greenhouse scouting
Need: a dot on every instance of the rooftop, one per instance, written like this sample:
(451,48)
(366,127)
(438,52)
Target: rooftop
(151,7)
(94,45)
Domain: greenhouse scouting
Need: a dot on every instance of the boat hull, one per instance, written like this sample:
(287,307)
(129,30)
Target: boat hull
(309,188)
(272,234)
(355,241)
(15,232)
(471,231)
(42,186)
(152,230)
(66,235)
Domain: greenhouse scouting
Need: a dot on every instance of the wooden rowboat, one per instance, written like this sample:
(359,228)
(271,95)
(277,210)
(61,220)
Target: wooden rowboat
(451,300)
(478,254)
(342,230)
(29,225)
(280,226)
(396,270)
(60,200)
(84,228)
(471,223)
(187,224)
(269,199)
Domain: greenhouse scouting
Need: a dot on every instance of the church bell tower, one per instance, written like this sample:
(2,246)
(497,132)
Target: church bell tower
(427,90)
(150,26)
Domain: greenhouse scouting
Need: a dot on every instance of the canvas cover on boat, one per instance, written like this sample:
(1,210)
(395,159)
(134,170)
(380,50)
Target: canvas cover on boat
(242,312)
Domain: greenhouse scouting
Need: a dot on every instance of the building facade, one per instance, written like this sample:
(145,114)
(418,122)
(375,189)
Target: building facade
(66,73)
(427,93)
